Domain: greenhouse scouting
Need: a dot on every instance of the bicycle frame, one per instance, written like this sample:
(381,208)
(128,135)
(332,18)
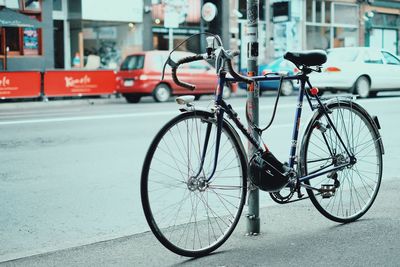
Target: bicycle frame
(223,107)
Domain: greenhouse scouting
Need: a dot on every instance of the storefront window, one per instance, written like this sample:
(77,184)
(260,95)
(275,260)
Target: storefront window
(328,6)
(318,37)
(345,37)
(331,24)
(32,5)
(346,14)
(318,13)
(13,40)
(12,4)
(57,5)
(30,41)
(309,10)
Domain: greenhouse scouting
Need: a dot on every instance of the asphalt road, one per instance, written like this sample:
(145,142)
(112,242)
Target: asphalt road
(71,169)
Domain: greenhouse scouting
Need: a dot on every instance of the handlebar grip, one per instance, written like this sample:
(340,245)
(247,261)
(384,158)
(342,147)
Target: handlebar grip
(237,75)
(182,61)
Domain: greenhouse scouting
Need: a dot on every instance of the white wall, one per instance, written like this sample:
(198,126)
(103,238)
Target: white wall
(116,10)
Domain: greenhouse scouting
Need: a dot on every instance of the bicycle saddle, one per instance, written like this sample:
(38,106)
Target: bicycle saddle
(307,58)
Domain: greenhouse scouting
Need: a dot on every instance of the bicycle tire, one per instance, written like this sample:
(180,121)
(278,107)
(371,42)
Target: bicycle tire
(177,211)
(358,185)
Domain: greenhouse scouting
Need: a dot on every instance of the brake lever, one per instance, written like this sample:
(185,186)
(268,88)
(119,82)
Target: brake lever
(218,59)
(170,62)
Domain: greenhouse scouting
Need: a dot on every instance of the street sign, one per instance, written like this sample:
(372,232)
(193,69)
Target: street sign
(209,11)
(175,12)
(171,19)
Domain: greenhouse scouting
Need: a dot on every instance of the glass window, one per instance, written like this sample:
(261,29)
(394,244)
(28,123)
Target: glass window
(309,10)
(33,5)
(318,37)
(30,41)
(392,20)
(12,4)
(12,39)
(318,13)
(390,59)
(345,14)
(133,63)
(373,57)
(328,5)
(57,5)
(345,37)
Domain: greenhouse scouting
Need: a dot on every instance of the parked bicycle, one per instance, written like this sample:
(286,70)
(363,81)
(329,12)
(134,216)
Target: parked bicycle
(195,174)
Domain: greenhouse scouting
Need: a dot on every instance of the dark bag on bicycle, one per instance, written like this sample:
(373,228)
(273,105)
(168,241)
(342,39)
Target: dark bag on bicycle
(268,173)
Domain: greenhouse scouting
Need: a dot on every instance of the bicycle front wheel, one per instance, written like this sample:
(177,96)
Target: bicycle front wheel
(357,185)
(187,214)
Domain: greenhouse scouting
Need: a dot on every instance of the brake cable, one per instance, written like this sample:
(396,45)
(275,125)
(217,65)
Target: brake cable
(255,127)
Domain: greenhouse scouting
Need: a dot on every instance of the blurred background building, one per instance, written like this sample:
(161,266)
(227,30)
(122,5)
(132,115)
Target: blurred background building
(74,30)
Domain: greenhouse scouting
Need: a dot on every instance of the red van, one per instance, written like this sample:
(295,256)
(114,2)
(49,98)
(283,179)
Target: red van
(140,75)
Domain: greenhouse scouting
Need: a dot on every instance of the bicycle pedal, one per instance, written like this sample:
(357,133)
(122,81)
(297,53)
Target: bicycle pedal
(327,190)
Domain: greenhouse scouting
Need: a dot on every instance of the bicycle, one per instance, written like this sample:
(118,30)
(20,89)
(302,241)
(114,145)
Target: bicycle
(194,178)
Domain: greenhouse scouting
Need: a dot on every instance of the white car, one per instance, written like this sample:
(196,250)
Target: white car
(359,70)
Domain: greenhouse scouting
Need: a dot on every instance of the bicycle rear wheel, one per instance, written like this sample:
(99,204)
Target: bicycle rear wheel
(188,215)
(357,185)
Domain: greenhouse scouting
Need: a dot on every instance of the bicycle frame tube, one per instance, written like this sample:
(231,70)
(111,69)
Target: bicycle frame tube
(223,107)
(220,121)
(296,124)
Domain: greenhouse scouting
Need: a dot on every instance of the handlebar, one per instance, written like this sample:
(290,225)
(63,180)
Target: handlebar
(226,57)
(183,61)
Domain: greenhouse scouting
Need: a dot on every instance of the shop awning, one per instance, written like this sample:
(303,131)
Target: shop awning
(11,18)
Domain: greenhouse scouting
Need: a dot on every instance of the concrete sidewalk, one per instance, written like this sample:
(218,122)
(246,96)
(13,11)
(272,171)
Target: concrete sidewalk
(292,235)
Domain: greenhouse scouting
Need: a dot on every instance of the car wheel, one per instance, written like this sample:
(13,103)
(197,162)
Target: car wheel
(362,87)
(287,88)
(227,93)
(132,98)
(162,92)
(197,97)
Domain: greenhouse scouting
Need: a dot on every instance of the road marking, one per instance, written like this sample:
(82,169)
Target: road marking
(158,113)
(112,116)
(83,118)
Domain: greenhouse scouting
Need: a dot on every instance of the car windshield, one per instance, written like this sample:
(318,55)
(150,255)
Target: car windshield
(344,55)
(133,63)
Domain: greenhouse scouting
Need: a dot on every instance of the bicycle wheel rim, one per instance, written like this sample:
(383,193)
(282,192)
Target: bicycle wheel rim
(187,220)
(358,184)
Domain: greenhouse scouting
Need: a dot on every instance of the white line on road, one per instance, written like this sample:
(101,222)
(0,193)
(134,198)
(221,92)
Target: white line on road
(153,113)
(112,116)
(83,118)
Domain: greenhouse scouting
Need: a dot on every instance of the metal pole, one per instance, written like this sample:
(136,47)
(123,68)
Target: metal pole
(170,39)
(253,219)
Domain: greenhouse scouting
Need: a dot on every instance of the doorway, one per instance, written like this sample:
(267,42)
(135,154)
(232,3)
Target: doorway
(58,44)
(384,38)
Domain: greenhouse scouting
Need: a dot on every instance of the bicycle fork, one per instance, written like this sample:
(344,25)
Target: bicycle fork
(219,119)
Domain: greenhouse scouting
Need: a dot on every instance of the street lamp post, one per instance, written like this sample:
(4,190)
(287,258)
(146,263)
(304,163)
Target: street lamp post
(253,219)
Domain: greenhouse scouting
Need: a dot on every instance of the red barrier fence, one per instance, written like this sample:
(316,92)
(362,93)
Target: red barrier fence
(22,84)
(78,83)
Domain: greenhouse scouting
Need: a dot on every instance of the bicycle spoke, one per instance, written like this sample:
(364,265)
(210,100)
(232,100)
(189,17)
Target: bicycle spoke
(359,182)
(191,214)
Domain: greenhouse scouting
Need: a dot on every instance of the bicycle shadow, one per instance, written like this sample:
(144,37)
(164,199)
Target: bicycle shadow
(337,245)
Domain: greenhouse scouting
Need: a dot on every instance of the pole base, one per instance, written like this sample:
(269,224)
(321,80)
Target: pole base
(253,225)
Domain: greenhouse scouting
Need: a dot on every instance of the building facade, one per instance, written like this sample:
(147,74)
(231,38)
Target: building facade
(89,27)
(72,30)
(28,48)
(324,24)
